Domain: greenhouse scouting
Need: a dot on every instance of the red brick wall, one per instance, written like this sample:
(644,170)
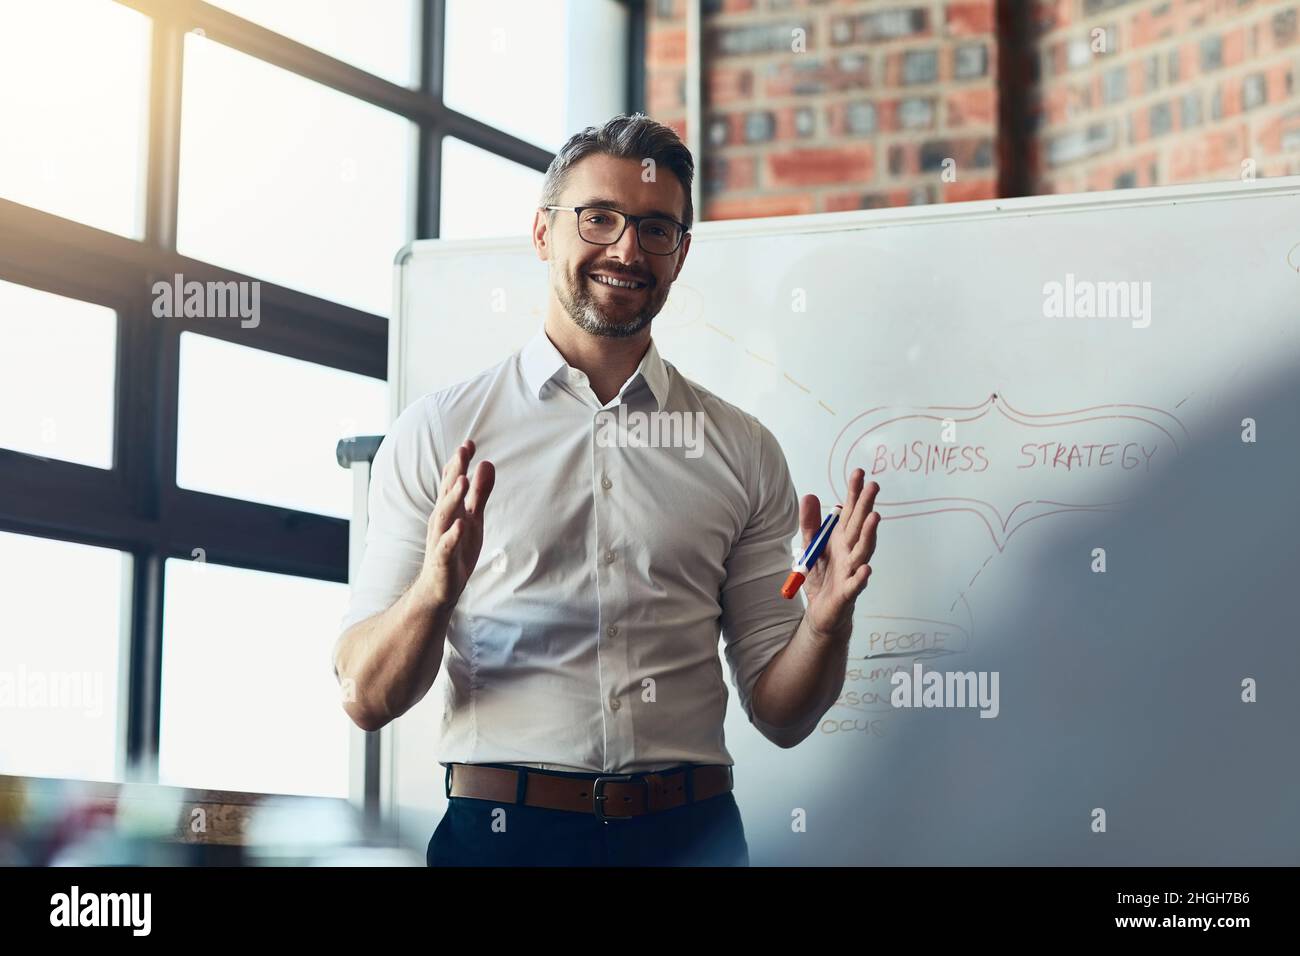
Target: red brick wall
(887,89)
(863,116)
(1186,90)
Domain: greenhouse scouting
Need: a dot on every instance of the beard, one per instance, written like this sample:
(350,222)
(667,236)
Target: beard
(590,315)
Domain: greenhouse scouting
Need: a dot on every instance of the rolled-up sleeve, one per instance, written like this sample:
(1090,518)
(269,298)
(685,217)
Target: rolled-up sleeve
(756,620)
(404,480)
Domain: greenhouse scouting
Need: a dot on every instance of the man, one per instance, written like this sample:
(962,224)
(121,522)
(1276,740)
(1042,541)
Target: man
(578,616)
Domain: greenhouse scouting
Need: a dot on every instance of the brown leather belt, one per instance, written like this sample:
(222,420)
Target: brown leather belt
(609,796)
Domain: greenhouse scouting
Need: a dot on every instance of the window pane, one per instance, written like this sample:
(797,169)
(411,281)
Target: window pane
(491,68)
(485,195)
(262,427)
(381,38)
(74,82)
(249,699)
(56,376)
(287,180)
(60,658)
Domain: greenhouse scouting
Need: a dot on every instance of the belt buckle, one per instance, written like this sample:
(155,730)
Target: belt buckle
(597,796)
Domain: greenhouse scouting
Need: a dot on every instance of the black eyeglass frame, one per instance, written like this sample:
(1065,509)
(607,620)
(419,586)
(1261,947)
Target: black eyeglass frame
(627,218)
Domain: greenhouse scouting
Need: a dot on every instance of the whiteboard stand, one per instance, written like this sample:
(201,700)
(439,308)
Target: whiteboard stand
(370,753)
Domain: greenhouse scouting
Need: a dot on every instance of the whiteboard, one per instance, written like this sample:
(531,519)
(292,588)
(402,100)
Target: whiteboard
(1011,442)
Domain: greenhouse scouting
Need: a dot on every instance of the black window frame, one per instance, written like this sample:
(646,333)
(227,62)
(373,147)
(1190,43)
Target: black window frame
(136,506)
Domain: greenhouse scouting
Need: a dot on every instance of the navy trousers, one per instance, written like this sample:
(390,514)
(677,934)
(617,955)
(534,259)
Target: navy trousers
(476,832)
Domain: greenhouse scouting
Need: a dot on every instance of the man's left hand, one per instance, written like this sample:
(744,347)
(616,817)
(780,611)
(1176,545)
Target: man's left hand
(840,574)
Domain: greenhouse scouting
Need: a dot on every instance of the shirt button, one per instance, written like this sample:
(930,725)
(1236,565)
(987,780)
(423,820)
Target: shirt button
(614,703)
(612,630)
(609,557)
(606,483)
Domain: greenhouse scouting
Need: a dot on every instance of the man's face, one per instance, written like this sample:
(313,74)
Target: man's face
(598,308)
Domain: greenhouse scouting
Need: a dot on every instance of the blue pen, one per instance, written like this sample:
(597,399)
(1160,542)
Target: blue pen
(810,555)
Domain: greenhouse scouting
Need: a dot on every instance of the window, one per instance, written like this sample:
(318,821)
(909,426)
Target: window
(260,147)
(249,699)
(173,522)
(539,71)
(61,658)
(262,427)
(74,78)
(381,38)
(505,210)
(56,376)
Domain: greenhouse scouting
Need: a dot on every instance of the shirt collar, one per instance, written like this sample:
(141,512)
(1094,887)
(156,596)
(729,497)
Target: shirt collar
(541,361)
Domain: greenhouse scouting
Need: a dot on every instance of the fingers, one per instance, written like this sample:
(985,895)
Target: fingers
(859,579)
(449,507)
(442,550)
(858,526)
(865,546)
(861,507)
(845,528)
(450,538)
(480,489)
(855,489)
(455,486)
(456,466)
(810,517)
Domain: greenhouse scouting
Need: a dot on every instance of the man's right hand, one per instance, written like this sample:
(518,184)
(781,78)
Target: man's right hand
(455,535)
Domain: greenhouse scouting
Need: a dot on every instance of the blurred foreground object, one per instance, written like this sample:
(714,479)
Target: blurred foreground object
(51,822)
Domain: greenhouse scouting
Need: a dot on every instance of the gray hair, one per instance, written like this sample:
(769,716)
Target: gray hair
(626,136)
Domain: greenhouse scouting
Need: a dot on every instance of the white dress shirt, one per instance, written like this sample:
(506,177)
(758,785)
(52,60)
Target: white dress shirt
(587,636)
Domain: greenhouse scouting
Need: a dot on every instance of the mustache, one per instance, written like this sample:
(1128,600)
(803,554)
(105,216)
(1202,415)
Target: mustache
(619,273)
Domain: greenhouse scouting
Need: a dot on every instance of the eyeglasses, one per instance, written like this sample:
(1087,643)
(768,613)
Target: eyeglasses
(604,227)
